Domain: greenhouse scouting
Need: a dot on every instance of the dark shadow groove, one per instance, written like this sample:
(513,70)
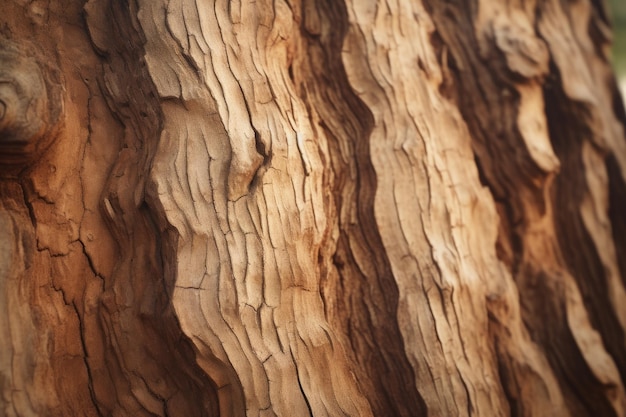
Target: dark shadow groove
(577,246)
(158,351)
(367,295)
(617,214)
(489,108)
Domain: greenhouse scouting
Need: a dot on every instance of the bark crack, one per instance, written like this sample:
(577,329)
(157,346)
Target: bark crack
(81,332)
(300,387)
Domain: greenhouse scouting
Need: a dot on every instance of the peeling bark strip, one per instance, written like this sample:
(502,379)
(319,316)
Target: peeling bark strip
(324,208)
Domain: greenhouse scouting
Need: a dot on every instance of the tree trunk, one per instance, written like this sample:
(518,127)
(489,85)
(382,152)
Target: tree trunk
(324,208)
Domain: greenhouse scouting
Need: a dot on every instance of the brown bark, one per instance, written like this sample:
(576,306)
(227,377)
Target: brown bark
(325,208)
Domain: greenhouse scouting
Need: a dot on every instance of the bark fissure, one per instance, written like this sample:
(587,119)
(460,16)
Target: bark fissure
(580,252)
(85,355)
(617,206)
(516,238)
(358,246)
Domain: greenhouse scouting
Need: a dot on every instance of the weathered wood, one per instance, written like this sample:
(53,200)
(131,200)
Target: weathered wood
(321,208)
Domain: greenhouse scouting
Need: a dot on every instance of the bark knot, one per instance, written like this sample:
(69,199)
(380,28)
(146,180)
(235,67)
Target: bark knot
(31,102)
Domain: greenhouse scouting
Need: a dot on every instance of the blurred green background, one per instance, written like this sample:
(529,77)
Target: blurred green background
(618,9)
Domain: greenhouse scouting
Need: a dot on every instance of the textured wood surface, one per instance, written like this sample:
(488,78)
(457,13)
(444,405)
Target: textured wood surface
(324,208)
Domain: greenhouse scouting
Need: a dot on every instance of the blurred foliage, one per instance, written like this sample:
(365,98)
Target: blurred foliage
(618,11)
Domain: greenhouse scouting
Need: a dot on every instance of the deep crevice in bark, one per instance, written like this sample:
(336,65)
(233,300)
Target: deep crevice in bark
(545,298)
(579,251)
(166,354)
(617,208)
(505,165)
(367,305)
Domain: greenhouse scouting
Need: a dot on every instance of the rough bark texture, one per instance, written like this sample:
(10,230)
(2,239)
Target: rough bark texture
(311,207)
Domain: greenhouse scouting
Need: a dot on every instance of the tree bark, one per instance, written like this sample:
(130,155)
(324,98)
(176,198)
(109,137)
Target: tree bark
(324,208)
